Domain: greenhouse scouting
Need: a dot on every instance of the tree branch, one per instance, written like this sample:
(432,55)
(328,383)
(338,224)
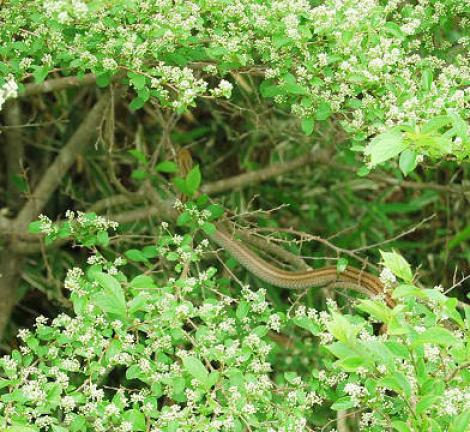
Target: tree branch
(56,84)
(260,175)
(13,150)
(53,175)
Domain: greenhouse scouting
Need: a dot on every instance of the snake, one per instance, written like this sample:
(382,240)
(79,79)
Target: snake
(350,278)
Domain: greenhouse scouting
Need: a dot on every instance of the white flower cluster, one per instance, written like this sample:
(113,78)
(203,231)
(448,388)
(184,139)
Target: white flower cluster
(387,277)
(89,220)
(224,89)
(47,226)
(8,90)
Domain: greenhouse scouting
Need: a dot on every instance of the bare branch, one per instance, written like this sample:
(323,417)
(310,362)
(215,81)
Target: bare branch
(249,178)
(62,163)
(56,84)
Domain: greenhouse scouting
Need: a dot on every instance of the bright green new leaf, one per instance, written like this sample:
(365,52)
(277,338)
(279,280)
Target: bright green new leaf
(342,404)
(437,336)
(167,167)
(135,255)
(407,161)
(193,179)
(397,265)
(111,300)
(195,368)
(385,146)
(341,328)
(35,227)
(376,309)
(142,281)
(405,290)
(137,80)
(307,324)
(307,126)
(461,423)
(400,426)
(341,265)
(136,419)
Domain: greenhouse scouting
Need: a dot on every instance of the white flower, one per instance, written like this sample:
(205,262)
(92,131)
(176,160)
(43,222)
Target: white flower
(387,277)
(109,64)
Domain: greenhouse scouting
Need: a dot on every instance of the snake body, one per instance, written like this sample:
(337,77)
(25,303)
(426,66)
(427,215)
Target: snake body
(351,277)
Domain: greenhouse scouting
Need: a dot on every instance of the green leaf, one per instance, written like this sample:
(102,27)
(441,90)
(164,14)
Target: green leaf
(139,174)
(54,395)
(323,111)
(425,403)
(216,211)
(351,364)
(385,146)
(136,418)
(291,86)
(134,372)
(137,80)
(102,238)
(193,179)
(397,265)
(394,30)
(341,265)
(405,290)
(184,218)
(242,310)
(195,368)
(212,380)
(343,404)
(396,382)
(461,422)
(376,309)
(436,123)
(400,426)
(150,251)
(407,161)
(437,336)
(426,79)
(307,126)
(103,79)
(140,156)
(180,184)
(35,227)
(341,350)
(142,281)
(20,428)
(460,237)
(398,349)
(268,89)
(136,104)
(341,328)
(167,167)
(40,74)
(111,300)
(307,324)
(20,183)
(208,228)
(363,171)
(135,255)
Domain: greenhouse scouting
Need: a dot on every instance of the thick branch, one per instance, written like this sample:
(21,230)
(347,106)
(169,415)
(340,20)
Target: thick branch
(264,173)
(57,84)
(67,156)
(13,150)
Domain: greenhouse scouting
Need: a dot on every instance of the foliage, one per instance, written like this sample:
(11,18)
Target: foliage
(150,336)
(182,354)
(371,65)
(413,376)
(175,354)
